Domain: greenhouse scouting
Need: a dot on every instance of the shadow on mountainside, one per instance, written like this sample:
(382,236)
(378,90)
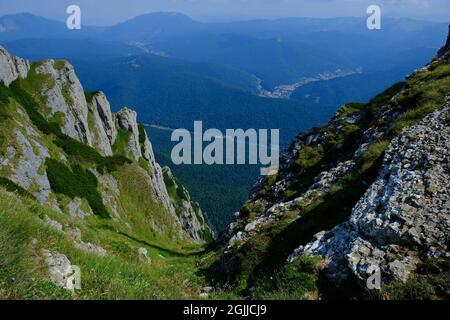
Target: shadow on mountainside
(154,246)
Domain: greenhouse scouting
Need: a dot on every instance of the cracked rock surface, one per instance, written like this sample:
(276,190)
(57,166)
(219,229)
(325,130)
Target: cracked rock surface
(405,214)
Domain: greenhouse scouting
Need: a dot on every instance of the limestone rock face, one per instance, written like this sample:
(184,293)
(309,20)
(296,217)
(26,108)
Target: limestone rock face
(12,67)
(66,99)
(404,215)
(188,212)
(127,121)
(103,128)
(26,172)
(156,173)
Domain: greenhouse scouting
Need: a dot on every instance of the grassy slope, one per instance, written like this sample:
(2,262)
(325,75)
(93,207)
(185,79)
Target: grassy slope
(171,274)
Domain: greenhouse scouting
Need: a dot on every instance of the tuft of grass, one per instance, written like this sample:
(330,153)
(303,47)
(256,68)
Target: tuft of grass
(142,136)
(425,93)
(309,157)
(21,276)
(373,154)
(268,183)
(293,281)
(120,146)
(59,64)
(12,187)
(4,100)
(350,109)
(148,217)
(252,210)
(383,98)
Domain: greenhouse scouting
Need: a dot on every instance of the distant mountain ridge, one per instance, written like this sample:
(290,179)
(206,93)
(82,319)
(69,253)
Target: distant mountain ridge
(279,51)
(26,26)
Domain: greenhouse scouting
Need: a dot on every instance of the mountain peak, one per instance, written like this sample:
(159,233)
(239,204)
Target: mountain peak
(154,25)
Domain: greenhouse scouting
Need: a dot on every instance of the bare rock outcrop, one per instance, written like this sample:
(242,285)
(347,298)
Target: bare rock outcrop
(127,121)
(404,217)
(12,67)
(77,208)
(156,173)
(188,212)
(66,99)
(26,171)
(102,127)
(61,271)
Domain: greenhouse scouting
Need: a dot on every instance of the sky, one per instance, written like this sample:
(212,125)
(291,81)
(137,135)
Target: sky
(108,12)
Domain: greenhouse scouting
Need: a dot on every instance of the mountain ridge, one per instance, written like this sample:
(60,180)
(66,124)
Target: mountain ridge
(86,130)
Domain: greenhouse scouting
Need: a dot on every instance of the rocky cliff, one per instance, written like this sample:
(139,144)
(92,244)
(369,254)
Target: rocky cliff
(366,193)
(54,135)
(403,217)
(12,67)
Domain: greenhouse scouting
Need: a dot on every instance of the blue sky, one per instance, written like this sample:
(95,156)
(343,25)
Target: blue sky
(107,12)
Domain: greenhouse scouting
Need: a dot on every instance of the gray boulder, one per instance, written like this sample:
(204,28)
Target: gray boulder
(61,271)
